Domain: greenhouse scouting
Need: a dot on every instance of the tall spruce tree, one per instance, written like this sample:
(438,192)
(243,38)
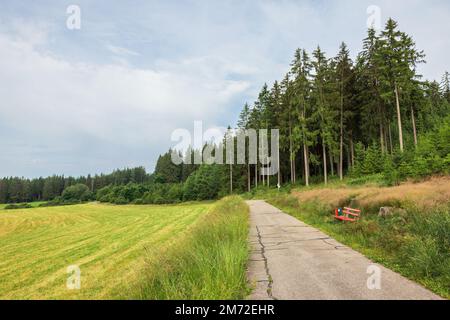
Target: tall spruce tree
(344,75)
(301,98)
(398,58)
(323,113)
(243,125)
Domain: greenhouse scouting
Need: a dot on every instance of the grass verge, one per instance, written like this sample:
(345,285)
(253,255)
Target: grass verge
(209,264)
(414,241)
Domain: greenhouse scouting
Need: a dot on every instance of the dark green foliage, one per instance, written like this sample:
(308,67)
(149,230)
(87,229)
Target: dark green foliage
(175,193)
(58,201)
(166,171)
(78,192)
(120,200)
(103,193)
(206,183)
(154,193)
(430,157)
(16,190)
(74,194)
(368,161)
(18,206)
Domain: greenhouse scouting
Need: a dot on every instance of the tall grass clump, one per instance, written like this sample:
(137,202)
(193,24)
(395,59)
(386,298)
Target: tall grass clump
(209,264)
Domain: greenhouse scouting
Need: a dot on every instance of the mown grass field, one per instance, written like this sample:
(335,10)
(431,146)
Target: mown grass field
(110,244)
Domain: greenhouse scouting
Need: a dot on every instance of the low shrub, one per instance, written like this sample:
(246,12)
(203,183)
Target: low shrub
(78,192)
(15,206)
(121,200)
(58,201)
(431,156)
(154,193)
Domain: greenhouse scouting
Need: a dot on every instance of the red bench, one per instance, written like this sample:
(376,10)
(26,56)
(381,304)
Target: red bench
(347,214)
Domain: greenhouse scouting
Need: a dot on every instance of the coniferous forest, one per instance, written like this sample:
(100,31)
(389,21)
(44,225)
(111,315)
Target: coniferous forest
(372,117)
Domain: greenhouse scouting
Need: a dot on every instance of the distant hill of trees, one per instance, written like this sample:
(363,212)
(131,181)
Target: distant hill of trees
(16,190)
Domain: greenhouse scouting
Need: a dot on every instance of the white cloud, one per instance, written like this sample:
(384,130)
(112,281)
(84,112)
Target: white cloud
(121,51)
(76,110)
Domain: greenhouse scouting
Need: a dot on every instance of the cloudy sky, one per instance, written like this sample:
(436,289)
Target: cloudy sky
(109,94)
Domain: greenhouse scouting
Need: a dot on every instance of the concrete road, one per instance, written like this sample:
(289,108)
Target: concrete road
(293,261)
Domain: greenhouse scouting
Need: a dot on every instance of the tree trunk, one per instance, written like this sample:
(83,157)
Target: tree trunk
(291,154)
(262,165)
(256,174)
(352,151)
(291,149)
(231,179)
(331,163)
(414,126)
(341,144)
(279,168)
(385,138)
(390,139)
(249,186)
(381,129)
(295,169)
(349,163)
(399,118)
(325,173)
(305,155)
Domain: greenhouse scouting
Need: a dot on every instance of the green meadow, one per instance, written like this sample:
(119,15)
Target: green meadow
(193,250)
(109,244)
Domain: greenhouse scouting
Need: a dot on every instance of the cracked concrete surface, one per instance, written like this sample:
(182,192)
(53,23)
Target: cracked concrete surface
(291,260)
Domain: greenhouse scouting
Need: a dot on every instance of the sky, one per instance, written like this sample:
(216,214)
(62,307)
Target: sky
(109,94)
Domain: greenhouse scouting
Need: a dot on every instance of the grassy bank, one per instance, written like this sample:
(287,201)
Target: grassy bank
(107,243)
(209,264)
(414,241)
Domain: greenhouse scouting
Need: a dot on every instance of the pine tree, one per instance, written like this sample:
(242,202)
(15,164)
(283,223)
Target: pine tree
(243,124)
(344,74)
(445,86)
(370,91)
(323,112)
(287,122)
(301,91)
(274,119)
(244,117)
(398,58)
(262,109)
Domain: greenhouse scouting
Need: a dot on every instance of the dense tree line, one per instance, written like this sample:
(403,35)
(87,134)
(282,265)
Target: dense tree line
(168,172)
(16,190)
